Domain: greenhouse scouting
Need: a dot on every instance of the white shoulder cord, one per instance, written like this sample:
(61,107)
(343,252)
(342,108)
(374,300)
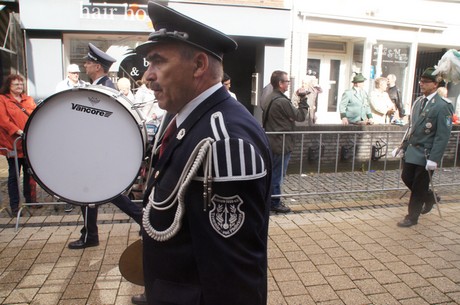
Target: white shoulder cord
(194,162)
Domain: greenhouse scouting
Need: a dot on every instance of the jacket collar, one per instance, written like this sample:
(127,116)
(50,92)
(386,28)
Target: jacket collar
(184,129)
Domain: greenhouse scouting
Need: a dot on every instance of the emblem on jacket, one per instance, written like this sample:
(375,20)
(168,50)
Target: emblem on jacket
(226,217)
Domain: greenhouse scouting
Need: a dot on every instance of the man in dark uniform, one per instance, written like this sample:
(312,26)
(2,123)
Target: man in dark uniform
(429,132)
(97,66)
(206,218)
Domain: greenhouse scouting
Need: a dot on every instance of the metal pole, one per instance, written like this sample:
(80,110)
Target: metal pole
(432,186)
(434,194)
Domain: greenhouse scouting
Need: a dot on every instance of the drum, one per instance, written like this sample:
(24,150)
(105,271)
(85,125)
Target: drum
(85,145)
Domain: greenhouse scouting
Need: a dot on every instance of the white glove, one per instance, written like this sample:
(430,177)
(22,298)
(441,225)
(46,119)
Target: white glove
(430,165)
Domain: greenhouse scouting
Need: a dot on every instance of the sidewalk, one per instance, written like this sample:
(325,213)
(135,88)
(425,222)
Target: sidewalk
(345,255)
(342,249)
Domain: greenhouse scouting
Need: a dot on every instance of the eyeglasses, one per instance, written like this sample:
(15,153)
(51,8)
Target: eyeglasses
(425,81)
(17,84)
(286,81)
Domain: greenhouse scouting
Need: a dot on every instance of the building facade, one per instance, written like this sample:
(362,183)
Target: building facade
(334,38)
(61,33)
(330,39)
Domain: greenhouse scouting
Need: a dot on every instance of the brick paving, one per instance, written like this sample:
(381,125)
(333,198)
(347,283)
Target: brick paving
(333,249)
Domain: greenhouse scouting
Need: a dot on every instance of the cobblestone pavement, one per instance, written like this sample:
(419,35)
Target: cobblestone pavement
(333,249)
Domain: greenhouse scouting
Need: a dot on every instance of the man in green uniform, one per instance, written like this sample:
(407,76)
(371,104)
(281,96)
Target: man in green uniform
(429,132)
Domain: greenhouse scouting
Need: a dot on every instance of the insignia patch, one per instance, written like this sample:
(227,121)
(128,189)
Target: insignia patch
(449,120)
(226,217)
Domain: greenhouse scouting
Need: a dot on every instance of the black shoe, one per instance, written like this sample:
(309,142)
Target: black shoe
(281,208)
(429,204)
(80,244)
(139,299)
(405,223)
(427,207)
(68,208)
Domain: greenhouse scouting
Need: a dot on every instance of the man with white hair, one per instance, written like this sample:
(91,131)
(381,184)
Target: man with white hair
(72,80)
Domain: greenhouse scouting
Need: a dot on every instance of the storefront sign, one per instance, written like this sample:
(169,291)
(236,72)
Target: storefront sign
(121,1)
(112,11)
(391,55)
(133,65)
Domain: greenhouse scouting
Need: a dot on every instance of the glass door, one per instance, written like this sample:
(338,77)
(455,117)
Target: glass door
(329,69)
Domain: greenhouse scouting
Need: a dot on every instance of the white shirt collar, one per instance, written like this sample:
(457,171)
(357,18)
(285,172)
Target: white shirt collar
(96,80)
(429,97)
(189,107)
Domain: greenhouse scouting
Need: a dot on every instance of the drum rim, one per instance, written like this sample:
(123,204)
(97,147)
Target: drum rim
(97,88)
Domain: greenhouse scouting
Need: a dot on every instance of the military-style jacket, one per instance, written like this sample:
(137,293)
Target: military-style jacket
(429,132)
(106,81)
(219,255)
(355,107)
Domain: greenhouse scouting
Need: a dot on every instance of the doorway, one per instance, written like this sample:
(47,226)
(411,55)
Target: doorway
(330,71)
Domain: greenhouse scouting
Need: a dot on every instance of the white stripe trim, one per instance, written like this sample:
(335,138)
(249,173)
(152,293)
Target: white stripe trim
(229,157)
(215,161)
(242,159)
(234,178)
(222,125)
(253,159)
(214,117)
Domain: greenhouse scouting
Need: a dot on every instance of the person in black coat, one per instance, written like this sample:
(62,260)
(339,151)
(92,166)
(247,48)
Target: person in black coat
(205,225)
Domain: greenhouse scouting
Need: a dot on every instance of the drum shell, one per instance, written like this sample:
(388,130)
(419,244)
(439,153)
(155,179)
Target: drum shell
(85,145)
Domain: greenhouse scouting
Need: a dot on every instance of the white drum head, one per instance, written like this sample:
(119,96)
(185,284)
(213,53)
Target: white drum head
(84,146)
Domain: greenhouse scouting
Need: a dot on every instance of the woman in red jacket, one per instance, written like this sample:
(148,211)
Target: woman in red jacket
(15,108)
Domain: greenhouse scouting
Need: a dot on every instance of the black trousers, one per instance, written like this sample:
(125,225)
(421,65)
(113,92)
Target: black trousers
(90,233)
(13,189)
(416,178)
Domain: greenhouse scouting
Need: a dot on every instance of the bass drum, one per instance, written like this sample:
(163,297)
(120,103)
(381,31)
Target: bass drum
(85,145)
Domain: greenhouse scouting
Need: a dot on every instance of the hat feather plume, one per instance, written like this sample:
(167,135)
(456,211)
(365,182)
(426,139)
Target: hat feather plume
(449,66)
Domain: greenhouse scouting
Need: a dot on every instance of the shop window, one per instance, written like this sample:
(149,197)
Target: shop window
(390,58)
(119,47)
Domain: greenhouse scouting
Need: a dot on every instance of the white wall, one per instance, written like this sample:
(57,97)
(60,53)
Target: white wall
(273,60)
(44,66)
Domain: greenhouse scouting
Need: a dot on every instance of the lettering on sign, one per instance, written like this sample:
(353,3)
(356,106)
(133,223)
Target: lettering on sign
(111,11)
(391,55)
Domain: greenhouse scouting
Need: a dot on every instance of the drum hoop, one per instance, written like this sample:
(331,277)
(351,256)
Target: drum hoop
(114,95)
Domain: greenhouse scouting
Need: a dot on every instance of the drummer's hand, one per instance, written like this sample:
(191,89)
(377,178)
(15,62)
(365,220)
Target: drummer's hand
(19,132)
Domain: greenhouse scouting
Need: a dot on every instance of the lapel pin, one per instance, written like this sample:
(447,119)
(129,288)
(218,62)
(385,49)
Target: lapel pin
(180,134)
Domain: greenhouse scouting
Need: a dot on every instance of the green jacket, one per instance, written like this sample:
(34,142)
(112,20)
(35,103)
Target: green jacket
(429,132)
(354,107)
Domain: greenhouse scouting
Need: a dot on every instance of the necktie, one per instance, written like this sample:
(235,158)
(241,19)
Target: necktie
(170,131)
(423,104)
